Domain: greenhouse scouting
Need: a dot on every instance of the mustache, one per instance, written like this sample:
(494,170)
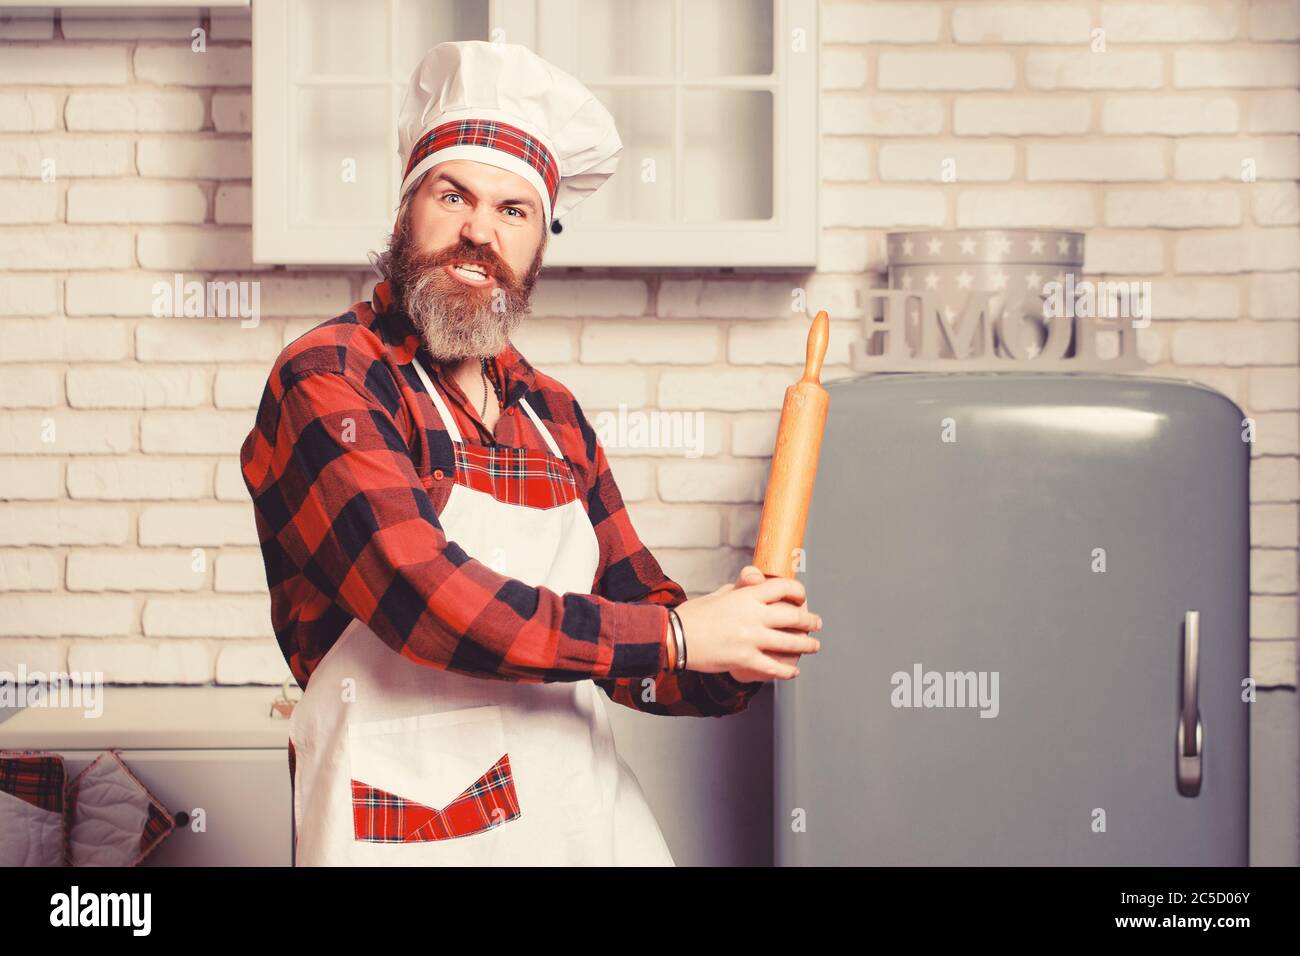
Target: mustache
(465,251)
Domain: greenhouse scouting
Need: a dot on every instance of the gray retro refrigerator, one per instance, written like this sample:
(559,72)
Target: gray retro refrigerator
(1035,593)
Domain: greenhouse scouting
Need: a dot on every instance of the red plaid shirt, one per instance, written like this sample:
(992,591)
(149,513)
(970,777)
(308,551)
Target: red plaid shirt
(349,528)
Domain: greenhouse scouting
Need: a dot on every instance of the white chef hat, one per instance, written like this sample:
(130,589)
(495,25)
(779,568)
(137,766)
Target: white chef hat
(500,103)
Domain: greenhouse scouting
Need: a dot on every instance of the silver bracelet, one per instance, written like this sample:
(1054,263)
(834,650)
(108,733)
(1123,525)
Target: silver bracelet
(679,639)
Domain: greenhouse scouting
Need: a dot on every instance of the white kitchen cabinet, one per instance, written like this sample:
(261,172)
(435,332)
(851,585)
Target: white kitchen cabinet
(170,5)
(715,101)
(209,748)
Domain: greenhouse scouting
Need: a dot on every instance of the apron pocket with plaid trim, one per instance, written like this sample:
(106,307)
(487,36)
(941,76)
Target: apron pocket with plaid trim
(430,776)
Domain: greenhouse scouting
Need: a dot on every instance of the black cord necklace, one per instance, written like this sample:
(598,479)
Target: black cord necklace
(482,370)
(482,367)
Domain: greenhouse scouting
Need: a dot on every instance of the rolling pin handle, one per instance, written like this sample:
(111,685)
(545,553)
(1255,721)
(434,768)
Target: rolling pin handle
(818,337)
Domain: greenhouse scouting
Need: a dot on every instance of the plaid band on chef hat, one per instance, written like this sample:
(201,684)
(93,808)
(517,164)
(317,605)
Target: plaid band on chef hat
(500,103)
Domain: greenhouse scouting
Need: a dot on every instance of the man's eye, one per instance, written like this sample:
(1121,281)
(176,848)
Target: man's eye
(453,196)
(515,209)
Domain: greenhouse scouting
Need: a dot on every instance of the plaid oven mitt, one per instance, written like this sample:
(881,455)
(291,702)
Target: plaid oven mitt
(116,821)
(33,809)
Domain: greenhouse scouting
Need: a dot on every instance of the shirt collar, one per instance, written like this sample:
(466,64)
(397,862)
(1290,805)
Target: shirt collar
(405,342)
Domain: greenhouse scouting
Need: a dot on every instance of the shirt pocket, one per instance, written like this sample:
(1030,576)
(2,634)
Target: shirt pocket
(437,485)
(430,776)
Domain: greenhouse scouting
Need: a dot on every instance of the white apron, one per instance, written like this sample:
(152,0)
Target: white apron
(400,764)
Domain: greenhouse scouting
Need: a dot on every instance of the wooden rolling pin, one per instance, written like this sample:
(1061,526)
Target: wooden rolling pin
(794,462)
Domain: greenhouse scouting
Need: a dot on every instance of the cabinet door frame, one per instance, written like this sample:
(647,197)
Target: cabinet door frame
(789,239)
(276,239)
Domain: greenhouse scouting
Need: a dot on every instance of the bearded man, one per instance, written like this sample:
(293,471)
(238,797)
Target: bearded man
(455,582)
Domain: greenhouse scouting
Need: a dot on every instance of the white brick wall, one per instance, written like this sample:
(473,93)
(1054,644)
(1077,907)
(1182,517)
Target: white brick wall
(127,543)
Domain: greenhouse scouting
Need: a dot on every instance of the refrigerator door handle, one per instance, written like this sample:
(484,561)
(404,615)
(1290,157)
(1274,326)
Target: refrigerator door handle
(1188,740)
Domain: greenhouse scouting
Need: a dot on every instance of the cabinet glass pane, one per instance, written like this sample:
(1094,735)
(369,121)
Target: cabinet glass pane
(341,37)
(422,24)
(727,155)
(727,37)
(345,154)
(624,38)
(642,187)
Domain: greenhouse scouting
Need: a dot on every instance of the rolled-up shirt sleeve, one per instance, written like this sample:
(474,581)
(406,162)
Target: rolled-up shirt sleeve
(335,490)
(629,573)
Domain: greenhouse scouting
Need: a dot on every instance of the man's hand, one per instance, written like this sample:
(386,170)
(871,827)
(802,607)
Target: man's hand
(755,629)
(749,575)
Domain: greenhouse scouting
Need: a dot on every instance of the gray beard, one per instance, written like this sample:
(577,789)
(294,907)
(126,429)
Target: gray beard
(453,332)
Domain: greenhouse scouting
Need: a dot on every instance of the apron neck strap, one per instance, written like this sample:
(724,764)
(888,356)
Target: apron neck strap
(449,422)
(546,435)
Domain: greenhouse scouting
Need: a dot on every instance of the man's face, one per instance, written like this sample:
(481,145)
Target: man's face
(465,255)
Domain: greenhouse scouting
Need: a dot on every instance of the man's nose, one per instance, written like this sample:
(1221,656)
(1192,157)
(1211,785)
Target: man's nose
(477,227)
